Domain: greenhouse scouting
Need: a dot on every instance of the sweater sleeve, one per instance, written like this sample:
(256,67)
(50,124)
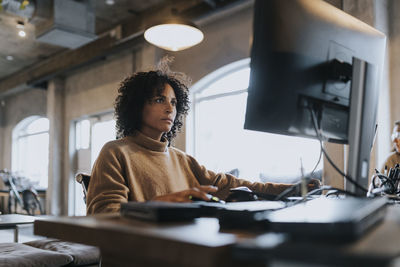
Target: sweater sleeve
(107,187)
(224,182)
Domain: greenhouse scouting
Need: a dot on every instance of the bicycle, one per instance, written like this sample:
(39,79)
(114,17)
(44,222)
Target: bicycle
(29,200)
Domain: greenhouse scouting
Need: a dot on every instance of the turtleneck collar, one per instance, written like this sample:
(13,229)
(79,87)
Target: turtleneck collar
(149,143)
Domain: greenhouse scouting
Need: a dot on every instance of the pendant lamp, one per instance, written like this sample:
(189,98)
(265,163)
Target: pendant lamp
(174,35)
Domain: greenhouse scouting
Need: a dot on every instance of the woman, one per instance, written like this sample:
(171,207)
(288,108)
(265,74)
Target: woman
(141,165)
(394,157)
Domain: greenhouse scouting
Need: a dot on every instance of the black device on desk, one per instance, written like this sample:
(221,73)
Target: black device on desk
(241,193)
(158,211)
(327,218)
(314,232)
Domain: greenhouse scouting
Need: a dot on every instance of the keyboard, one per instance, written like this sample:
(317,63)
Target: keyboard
(167,211)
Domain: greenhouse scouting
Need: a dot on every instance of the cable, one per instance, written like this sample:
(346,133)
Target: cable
(348,178)
(286,192)
(342,191)
(316,165)
(293,187)
(322,188)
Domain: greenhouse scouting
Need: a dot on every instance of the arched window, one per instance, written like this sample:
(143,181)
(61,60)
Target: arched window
(215,134)
(30,150)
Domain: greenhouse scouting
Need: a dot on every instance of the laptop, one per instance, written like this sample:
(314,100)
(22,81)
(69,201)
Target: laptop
(326,218)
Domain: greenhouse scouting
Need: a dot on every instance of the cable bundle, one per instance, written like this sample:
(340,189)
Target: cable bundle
(386,183)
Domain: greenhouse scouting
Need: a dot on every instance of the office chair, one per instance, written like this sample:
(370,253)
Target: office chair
(83,179)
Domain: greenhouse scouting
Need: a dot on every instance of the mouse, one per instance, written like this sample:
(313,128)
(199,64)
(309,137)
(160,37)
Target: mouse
(211,199)
(241,193)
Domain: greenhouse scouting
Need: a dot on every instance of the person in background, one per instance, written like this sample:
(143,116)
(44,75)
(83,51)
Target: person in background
(142,165)
(394,157)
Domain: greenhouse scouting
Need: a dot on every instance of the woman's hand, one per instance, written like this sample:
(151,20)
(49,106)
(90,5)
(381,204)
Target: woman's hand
(199,192)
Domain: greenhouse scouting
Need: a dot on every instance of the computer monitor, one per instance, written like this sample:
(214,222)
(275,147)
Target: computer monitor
(310,57)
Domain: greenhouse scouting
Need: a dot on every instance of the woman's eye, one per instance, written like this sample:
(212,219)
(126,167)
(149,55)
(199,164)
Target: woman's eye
(174,103)
(159,100)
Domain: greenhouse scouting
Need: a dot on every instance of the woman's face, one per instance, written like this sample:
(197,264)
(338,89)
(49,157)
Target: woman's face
(396,138)
(159,113)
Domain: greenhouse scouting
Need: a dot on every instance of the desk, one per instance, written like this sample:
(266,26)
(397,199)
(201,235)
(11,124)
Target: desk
(378,247)
(125,242)
(11,221)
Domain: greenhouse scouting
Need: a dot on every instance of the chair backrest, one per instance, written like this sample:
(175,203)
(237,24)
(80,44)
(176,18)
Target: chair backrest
(83,179)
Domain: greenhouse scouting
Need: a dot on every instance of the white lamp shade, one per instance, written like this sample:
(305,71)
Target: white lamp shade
(173,37)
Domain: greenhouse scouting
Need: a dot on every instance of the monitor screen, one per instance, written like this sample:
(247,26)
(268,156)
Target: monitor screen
(310,57)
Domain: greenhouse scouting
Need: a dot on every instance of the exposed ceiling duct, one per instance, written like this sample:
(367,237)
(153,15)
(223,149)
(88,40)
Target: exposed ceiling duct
(119,27)
(73,24)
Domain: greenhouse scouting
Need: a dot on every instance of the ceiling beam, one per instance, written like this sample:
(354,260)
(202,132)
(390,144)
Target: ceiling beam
(113,41)
(70,59)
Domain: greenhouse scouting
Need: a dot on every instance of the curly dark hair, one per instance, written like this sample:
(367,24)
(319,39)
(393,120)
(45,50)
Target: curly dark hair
(139,88)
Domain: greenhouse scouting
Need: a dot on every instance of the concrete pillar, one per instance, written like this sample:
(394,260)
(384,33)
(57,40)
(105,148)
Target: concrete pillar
(55,114)
(383,142)
(146,57)
(394,64)
(330,176)
(2,152)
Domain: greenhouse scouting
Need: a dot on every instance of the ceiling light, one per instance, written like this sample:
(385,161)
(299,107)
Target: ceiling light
(110,2)
(22,33)
(174,36)
(10,58)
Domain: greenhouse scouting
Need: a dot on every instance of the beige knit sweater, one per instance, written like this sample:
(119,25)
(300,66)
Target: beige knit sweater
(138,168)
(391,161)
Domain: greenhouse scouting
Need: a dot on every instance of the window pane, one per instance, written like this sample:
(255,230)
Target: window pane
(33,160)
(221,143)
(37,126)
(235,81)
(30,157)
(80,206)
(102,132)
(82,134)
(91,135)
(218,128)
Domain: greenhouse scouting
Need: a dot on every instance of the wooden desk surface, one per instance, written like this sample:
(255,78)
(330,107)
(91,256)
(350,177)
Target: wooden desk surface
(10,220)
(123,241)
(378,247)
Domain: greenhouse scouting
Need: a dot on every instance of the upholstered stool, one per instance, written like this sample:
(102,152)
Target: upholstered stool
(16,254)
(82,255)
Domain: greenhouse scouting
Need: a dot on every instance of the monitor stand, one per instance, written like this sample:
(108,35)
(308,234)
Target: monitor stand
(362,123)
